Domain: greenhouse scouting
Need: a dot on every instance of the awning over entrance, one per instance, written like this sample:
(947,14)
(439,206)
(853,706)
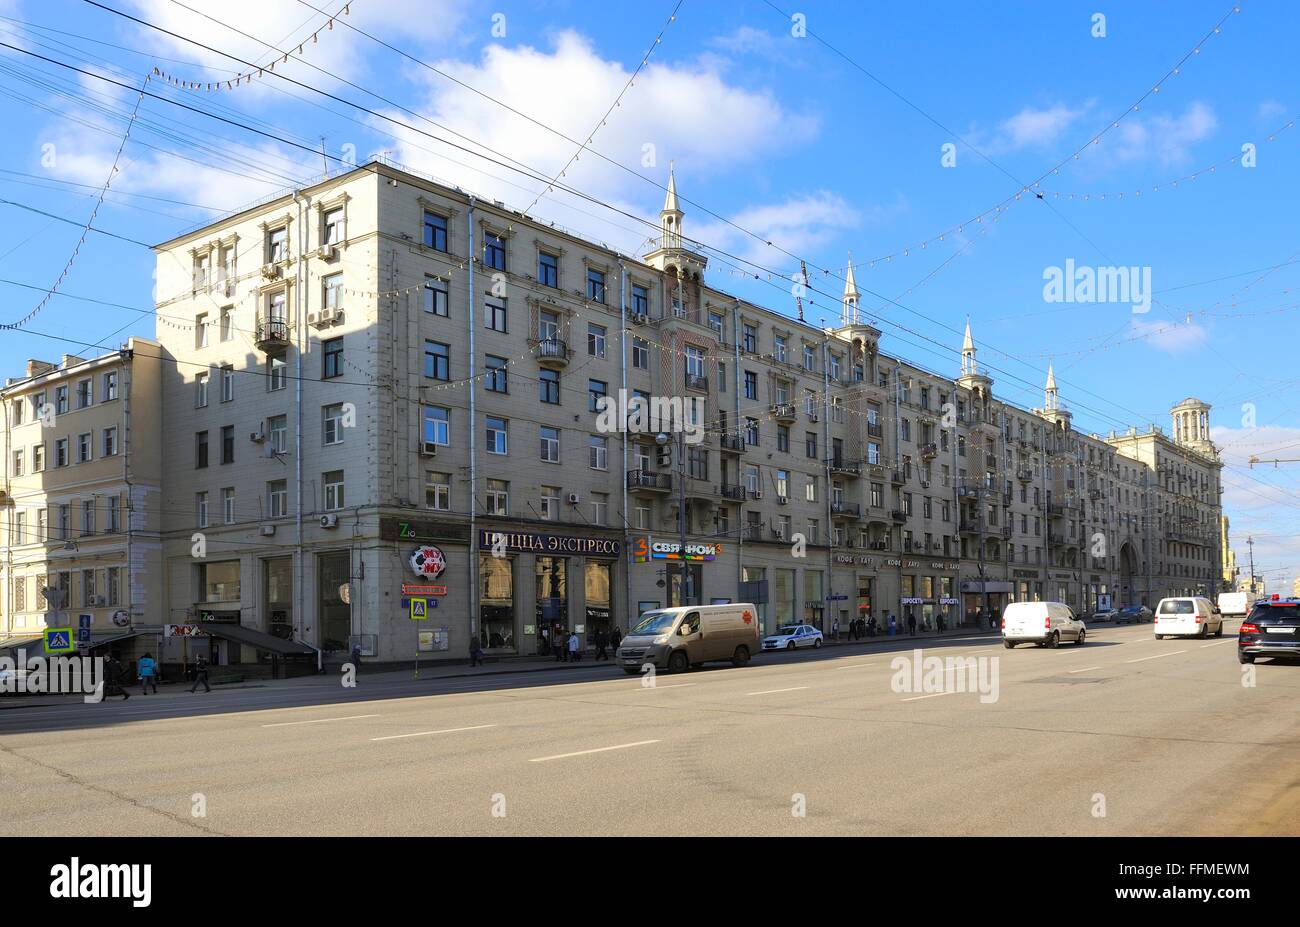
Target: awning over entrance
(30,641)
(258,640)
(116,637)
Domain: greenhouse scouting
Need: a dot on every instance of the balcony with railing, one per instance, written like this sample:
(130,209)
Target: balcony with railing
(846,510)
(552,352)
(898,515)
(784,412)
(732,443)
(841,467)
(897,477)
(874,429)
(1024,474)
(929,451)
(733,492)
(271,334)
(751,532)
(697,381)
(968,526)
(649,481)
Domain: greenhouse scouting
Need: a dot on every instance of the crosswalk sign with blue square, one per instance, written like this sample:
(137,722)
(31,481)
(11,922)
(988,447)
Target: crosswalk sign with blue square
(58,640)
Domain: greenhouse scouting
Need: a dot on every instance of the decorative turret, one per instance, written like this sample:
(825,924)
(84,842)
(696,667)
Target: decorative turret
(978,383)
(671,253)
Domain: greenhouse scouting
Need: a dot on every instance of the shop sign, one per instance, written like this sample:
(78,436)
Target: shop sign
(182,630)
(859,560)
(905,564)
(526,542)
(913,600)
(422,589)
(647,549)
(1025,574)
(219,617)
(946,600)
(121,619)
(428,561)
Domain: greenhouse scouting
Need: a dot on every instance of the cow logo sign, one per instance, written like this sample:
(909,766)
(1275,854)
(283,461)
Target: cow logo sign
(428,562)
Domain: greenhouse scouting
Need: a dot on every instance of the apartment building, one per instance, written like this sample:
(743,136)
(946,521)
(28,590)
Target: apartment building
(383,394)
(80,503)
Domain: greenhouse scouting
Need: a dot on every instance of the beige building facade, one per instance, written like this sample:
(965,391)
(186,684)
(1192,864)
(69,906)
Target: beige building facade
(381,391)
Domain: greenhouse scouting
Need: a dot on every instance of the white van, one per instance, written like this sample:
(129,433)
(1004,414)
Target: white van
(1042,623)
(1234,603)
(1187,616)
(678,638)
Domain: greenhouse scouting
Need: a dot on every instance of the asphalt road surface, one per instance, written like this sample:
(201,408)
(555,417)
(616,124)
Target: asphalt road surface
(1125,735)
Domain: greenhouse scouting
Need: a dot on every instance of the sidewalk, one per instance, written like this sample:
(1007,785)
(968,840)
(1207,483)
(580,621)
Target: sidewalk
(405,672)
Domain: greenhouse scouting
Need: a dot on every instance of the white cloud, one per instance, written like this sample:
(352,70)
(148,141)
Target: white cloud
(1261,502)
(1037,128)
(1168,335)
(1270,110)
(1167,139)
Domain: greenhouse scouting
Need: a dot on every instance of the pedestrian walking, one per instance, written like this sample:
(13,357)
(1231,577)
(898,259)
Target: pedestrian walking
(615,639)
(601,643)
(544,646)
(113,684)
(148,670)
(356,659)
(558,646)
(573,647)
(475,651)
(836,630)
(911,624)
(201,674)
(871,626)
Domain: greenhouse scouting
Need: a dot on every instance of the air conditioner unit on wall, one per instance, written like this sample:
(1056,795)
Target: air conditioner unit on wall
(268,530)
(429,449)
(329,521)
(574,499)
(326,252)
(271,271)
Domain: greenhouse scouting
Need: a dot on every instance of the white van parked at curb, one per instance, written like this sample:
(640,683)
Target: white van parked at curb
(1042,623)
(1187,616)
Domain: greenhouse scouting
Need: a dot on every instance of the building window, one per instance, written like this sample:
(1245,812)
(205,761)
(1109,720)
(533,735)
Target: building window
(550,444)
(277,372)
(61,452)
(436,425)
(200,450)
(548,386)
(277,498)
(595,339)
(332,287)
(495,381)
(332,362)
(598,452)
(110,441)
(201,330)
(227,383)
(437,360)
(201,509)
(435,231)
(640,300)
(60,400)
(83,448)
(751,385)
(201,391)
(494,252)
(599,508)
(277,244)
(498,497)
(65,521)
(85,393)
(38,458)
(332,482)
(715,323)
(749,338)
(596,390)
(227,329)
(548,269)
(495,312)
(809,357)
(640,354)
(228,505)
(550,502)
(277,433)
(783,439)
(435,296)
(334,230)
(751,430)
(332,424)
(779,348)
(437,490)
(548,325)
(17,469)
(810,444)
(596,286)
(496,435)
(697,462)
(227,444)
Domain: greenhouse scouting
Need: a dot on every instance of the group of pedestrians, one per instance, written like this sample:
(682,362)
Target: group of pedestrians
(147,673)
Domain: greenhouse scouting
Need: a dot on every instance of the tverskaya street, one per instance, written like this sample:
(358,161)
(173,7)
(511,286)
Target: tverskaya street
(1124,735)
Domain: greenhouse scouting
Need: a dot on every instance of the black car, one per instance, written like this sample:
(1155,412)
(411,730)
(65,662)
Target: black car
(1134,613)
(1272,629)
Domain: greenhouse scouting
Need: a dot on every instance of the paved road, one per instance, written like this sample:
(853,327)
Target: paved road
(1162,732)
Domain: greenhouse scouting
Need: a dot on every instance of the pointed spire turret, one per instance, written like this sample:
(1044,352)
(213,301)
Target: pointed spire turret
(670,201)
(1052,402)
(849,305)
(968,367)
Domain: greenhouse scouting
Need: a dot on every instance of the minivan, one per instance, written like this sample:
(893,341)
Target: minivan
(1187,616)
(678,638)
(1042,623)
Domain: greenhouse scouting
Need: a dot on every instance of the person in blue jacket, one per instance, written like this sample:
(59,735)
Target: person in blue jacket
(148,674)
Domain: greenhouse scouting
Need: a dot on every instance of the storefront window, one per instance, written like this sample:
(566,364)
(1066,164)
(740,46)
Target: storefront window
(694,584)
(551,574)
(333,570)
(278,587)
(814,597)
(757,575)
(783,596)
(219,581)
(864,598)
(597,596)
(496,602)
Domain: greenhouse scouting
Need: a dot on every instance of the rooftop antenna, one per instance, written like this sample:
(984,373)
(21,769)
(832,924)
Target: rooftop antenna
(324,159)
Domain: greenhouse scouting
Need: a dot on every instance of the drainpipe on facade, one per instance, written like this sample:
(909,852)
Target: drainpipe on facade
(300,314)
(828,587)
(740,480)
(622,367)
(471,546)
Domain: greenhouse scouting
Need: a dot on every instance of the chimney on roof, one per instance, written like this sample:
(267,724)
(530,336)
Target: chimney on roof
(37,367)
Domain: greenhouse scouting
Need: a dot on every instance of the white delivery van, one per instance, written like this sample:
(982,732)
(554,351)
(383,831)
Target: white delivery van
(1042,623)
(681,637)
(1187,616)
(1234,604)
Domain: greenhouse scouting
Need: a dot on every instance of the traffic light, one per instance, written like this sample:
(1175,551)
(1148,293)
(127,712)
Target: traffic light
(665,455)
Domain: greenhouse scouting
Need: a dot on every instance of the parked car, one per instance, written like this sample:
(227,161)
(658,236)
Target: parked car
(678,638)
(792,637)
(1133,613)
(1272,629)
(1042,623)
(1187,616)
(1109,614)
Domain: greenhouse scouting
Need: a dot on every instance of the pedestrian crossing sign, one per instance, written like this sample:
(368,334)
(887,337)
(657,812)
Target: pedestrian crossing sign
(58,640)
(419,609)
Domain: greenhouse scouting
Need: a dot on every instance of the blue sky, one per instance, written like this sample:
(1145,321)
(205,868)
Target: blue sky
(824,144)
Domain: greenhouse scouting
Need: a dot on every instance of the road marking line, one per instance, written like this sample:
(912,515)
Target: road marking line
(449,730)
(1085,669)
(319,720)
(1216,643)
(672,685)
(855,665)
(561,756)
(1157,656)
(774,691)
(932,695)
